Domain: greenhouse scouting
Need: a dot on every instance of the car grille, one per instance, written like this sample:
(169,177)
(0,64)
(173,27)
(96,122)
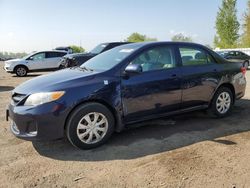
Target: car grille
(17,98)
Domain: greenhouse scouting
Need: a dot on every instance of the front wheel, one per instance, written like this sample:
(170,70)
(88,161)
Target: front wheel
(90,125)
(21,71)
(222,102)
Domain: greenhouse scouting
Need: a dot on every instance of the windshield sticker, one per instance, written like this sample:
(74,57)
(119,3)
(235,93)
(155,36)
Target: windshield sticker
(127,50)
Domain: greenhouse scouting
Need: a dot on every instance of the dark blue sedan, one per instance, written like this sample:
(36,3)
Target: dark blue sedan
(125,85)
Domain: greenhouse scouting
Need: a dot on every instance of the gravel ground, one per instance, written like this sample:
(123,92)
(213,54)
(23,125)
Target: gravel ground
(190,150)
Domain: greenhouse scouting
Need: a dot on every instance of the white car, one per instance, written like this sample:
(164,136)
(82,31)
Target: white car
(38,61)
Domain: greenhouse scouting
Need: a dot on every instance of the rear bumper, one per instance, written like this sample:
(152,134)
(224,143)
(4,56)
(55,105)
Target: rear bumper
(239,86)
(44,122)
(239,95)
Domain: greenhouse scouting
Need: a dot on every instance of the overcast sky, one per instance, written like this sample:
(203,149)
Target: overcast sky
(32,25)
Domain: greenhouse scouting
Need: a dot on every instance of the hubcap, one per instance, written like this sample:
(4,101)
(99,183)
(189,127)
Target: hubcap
(21,71)
(223,102)
(92,128)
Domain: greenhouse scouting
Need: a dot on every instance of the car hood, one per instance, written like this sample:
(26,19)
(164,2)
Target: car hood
(70,56)
(13,61)
(56,81)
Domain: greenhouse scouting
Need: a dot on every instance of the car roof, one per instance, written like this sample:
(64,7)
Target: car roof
(51,51)
(116,43)
(141,44)
(76,54)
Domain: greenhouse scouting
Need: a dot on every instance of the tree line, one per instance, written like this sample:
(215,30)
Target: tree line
(11,55)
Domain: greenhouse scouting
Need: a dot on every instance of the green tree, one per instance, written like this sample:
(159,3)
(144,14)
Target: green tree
(181,38)
(77,49)
(137,37)
(11,55)
(245,40)
(227,25)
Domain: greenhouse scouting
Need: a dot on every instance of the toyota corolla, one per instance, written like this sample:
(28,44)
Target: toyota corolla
(125,85)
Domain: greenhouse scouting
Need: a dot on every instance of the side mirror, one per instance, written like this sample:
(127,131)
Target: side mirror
(31,58)
(133,68)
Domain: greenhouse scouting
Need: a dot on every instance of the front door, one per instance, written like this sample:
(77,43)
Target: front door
(36,61)
(154,91)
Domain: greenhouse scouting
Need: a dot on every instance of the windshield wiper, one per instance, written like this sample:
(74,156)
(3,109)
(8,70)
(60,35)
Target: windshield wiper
(87,69)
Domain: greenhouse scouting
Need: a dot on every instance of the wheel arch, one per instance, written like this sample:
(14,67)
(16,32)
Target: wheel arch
(227,85)
(20,65)
(118,122)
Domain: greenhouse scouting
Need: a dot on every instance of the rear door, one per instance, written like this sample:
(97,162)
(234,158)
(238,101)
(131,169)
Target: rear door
(200,76)
(157,89)
(53,59)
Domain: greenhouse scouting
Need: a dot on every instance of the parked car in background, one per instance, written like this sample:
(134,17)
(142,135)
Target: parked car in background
(78,59)
(127,84)
(38,61)
(236,56)
(67,49)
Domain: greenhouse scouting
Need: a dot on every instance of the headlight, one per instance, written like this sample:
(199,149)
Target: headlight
(41,98)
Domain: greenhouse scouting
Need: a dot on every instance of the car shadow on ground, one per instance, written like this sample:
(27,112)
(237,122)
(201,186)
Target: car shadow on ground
(156,137)
(28,75)
(6,88)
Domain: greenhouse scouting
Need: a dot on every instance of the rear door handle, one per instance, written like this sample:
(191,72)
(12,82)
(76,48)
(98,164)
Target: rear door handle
(174,75)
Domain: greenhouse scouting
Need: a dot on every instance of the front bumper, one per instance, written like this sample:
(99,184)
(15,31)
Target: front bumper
(8,68)
(44,122)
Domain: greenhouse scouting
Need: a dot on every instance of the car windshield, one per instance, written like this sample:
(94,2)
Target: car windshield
(110,58)
(98,49)
(27,56)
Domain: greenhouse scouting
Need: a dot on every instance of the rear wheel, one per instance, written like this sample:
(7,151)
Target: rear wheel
(90,125)
(21,71)
(222,102)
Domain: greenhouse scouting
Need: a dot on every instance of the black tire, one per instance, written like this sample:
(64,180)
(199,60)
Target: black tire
(246,64)
(213,109)
(61,67)
(76,116)
(21,71)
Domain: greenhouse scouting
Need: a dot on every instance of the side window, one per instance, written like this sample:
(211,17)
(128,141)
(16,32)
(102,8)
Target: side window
(191,56)
(156,59)
(54,54)
(61,54)
(231,53)
(38,56)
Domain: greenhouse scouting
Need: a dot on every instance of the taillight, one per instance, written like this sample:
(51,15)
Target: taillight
(243,70)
